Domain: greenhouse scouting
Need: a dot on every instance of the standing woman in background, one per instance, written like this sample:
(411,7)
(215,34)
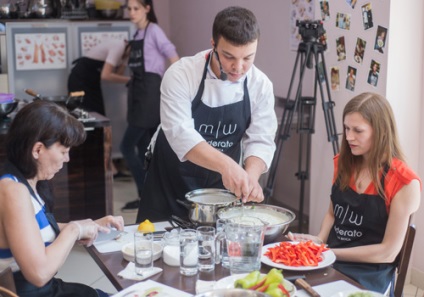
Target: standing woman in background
(149,51)
(105,61)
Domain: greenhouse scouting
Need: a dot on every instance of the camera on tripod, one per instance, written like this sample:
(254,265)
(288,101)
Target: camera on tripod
(311,31)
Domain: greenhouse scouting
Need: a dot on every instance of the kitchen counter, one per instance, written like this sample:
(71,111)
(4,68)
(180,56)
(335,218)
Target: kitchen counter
(83,187)
(51,20)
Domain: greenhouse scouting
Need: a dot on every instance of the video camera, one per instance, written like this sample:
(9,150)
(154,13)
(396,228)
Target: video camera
(310,31)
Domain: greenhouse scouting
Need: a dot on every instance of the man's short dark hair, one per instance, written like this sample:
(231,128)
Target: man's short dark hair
(237,25)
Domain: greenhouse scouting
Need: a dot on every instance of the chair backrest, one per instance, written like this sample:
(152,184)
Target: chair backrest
(6,279)
(403,260)
(7,293)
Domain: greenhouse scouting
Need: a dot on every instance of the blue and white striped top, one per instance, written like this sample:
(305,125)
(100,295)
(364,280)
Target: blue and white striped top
(46,230)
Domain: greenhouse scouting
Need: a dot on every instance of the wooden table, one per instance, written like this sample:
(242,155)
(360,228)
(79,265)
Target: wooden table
(112,263)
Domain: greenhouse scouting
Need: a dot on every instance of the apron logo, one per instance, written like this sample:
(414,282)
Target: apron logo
(225,130)
(219,133)
(352,217)
(347,235)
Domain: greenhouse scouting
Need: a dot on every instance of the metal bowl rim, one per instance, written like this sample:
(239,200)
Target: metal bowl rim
(265,206)
(208,191)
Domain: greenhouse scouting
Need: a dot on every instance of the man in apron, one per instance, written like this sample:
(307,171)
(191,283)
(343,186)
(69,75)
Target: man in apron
(217,122)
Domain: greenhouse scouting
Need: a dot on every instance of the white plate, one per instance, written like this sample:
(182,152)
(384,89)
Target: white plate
(360,293)
(128,251)
(328,258)
(228,283)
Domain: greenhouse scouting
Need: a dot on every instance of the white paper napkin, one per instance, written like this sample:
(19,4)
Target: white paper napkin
(204,286)
(129,272)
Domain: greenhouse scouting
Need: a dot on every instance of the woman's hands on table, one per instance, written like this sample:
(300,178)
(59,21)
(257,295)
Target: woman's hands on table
(301,237)
(89,229)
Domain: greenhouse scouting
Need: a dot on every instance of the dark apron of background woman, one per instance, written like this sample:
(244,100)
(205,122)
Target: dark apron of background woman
(143,89)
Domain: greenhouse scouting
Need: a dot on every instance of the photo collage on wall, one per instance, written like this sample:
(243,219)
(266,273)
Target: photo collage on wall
(355,57)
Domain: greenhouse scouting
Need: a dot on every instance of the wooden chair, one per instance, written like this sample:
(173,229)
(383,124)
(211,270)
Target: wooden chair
(6,293)
(403,261)
(7,282)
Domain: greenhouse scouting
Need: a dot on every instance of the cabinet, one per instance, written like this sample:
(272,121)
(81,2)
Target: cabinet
(83,187)
(33,43)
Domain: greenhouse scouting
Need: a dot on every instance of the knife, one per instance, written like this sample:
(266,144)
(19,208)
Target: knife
(307,287)
(102,236)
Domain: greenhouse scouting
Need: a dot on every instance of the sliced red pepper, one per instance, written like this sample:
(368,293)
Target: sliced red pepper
(282,288)
(263,289)
(258,285)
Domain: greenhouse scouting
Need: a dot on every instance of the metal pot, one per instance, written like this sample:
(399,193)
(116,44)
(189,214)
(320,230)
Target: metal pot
(279,218)
(7,107)
(203,204)
(71,102)
(41,8)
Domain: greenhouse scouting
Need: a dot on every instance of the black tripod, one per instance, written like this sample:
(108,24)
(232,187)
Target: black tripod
(307,54)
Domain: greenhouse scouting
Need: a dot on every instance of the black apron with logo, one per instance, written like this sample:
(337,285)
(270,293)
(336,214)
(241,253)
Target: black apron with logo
(86,76)
(169,179)
(143,89)
(360,219)
(55,287)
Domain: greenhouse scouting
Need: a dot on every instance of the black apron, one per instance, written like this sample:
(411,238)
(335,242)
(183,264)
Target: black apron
(86,76)
(143,89)
(169,179)
(360,219)
(55,287)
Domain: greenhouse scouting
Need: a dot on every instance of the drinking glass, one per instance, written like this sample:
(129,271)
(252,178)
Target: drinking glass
(221,243)
(206,240)
(189,252)
(244,245)
(143,252)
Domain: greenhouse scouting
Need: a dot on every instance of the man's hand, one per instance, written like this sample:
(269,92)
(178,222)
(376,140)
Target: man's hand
(236,180)
(243,185)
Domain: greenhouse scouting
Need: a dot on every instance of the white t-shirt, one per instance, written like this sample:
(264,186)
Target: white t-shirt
(109,51)
(179,87)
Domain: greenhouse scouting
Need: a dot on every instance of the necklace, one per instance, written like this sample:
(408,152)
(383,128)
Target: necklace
(362,181)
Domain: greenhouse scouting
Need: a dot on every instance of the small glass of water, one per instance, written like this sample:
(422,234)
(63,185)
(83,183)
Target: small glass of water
(189,252)
(221,243)
(206,238)
(143,252)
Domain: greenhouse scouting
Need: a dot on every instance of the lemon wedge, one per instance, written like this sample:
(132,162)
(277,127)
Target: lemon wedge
(146,226)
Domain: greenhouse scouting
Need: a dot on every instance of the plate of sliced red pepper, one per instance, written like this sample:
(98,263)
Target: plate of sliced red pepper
(290,255)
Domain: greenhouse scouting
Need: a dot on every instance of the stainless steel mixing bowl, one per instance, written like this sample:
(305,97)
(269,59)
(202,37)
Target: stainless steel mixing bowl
(274,230)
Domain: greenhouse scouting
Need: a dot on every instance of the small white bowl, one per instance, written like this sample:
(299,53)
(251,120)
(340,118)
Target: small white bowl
(128,251)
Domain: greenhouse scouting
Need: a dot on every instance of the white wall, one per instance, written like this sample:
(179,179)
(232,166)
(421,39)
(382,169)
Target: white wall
(191,31)
(405,92)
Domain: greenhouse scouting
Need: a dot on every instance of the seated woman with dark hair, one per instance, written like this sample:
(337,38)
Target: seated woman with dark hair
(32,243)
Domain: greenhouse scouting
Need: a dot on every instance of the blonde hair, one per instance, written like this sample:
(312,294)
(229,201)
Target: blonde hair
(376,110)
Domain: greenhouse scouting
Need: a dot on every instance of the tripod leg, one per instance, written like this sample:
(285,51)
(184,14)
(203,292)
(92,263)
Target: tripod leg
(305,135)
(330,122)
(283,132)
